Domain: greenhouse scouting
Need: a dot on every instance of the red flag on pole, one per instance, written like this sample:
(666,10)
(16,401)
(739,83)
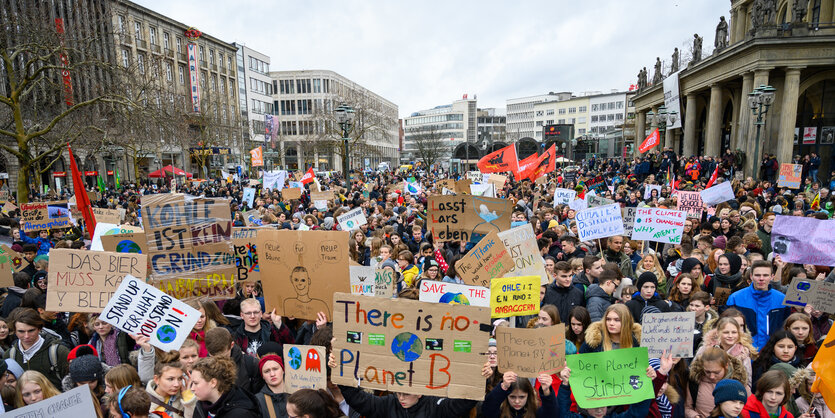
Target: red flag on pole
(308,176)
(82,201)
(650,142)
(526,164)
(713,177)
(546,163)
(500,161)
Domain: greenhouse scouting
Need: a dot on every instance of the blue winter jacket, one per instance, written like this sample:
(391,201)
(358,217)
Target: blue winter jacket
(43,244)
(763,311)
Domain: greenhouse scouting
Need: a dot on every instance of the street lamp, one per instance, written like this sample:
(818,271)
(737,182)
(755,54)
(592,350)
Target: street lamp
(759,101)
(345,117)
(662,120)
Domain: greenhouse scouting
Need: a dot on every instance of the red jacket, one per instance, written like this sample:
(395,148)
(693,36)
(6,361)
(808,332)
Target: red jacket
(755,409)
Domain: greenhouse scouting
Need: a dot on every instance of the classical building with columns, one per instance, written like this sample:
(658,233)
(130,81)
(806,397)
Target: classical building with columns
(787,44)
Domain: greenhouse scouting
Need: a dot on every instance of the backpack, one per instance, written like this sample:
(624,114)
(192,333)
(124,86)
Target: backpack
(53,358)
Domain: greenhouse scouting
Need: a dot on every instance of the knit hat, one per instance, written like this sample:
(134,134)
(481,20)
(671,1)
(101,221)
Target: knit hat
(553,223)
(491,342)
(269,347)
(688,264)
(734,261)
(430,262)
(720,242)
(270,357)
(86,368)
(786,368)
(729,390)
(13,367)
(82,350)
(389,263)
(646,277)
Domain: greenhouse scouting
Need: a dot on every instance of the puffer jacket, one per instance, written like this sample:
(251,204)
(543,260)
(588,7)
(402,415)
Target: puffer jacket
(388,406)
(237,403)
(744,350)
(699,397)
(185,402)
(594,338)
(597,301)
(755,409)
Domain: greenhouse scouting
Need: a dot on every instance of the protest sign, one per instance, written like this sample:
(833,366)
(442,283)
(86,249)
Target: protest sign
(483,189)
(84,281)
(803,240)
(325,196)
(189,245)
(721,295)
(102,229)
(578,204)
(129,242)
(820,294)
(658,225)
(301,270)
(497,180)
(291,193)
(7,269)
(475,176)
(597,184)
(463,186)
(596,201)
(76,403)
(486,260)
(564,196)
(530,352)
(790,175)
(454,293)
(717,194)
(514,296)
(246,254)
(614,377)
(409,346)
(275,180)
(384,283)
(305,367)
(466,218)
(44,215)
(599,222)
(521,243)
(249,196)
(139,308)
(446,183)
(628,215)
(649,189)
(109,216)
(352,219)
(18,261)
(691,203)
(671,331)
(253,218)
(363,280)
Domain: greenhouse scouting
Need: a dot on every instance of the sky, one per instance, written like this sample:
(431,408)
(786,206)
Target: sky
(421,54)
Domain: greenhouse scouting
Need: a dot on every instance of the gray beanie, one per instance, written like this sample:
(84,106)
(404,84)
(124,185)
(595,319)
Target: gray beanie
(86,368)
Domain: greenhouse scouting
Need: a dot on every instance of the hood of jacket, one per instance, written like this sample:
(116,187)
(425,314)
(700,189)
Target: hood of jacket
(594,334)
(235,399)
(580,278)
(595,291)
(735,370)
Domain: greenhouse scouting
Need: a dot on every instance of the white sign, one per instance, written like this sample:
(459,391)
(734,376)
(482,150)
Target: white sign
(599,222)
(249,196)
(672,101)
(483,189)
(595,201)
(102,228)
(628,220)
(659,225)
(717,194)
(648,191)
(139,308)
(521,244)
(578,204)
(362,280)
(352,219)
(275,181)
(671,332)
(454,293)
(74,403)
(320,204)
(564,196)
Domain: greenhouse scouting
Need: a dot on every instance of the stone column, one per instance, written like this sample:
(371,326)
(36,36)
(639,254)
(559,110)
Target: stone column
(742,124)
(281,150)
(299,158)
(690,127)
(654,122)
(640,130)
(827,14)
(752,162)
(714,122)
(788,115)
(668,138)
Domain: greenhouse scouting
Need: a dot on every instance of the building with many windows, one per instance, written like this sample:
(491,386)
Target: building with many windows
(442,133)
(255,89)
(521,115)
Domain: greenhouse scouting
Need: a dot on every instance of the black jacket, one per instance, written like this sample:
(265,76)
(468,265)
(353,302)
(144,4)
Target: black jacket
(564,298)
(237,403)
(279,401)
(638,303)
(13,299)
(249,377)
(388,406)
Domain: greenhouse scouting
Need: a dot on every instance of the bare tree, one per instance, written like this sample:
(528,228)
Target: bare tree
(430,145)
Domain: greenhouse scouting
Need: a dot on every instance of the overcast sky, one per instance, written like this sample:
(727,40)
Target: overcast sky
(428,53)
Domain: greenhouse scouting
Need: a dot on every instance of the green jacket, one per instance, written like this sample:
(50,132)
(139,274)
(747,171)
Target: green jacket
(41,362)
(765,237)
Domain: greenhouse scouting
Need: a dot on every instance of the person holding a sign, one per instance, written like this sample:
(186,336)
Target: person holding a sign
(515,397)
(615,330)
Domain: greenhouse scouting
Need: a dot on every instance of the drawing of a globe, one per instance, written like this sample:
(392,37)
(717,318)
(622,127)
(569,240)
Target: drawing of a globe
(128,246)
(166,333)
(295,358)
(407,347)
(454,299)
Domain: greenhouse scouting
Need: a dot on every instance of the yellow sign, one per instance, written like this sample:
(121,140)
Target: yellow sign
(514,296)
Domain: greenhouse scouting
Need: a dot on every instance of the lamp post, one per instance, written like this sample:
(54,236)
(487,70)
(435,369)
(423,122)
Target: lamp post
(662,120)
(345,117)
(759,101)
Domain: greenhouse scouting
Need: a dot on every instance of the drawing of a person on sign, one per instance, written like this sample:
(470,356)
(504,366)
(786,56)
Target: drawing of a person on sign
(487,216)
(300,279)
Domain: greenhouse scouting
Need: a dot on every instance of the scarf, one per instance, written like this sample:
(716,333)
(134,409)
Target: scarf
(728,281)
(110,353)
(30,352)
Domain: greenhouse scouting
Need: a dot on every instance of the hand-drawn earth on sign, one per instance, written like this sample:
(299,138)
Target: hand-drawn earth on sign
(407,347)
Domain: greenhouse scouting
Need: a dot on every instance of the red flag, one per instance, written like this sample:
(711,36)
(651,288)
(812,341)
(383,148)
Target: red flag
(308,176)
(546,163)
(82,201)
(650,142)
(713,177)
(525,164)
(500,161)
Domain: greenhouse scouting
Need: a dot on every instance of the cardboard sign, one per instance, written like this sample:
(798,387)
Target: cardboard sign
(7,269)
(253,218)
(454,293)
(44,215)
(819,294)
(139,308)
(305,367)
(189,245)
(531,351)
(476,176)
(717,194)
(615,377)
(599,222)
(649,188)
(327,195)
(18,261)
(659,225)
(249,196)
(463,186)
(671,331)
(363,280)
(352,219)
(246,254)
(790,175)
(467,218)
(109,216)
(497,180)
(302,270)
(485,261)
(384,283)
(596,201)
(597,184)
(130,242)
(691,203)
(73,403)
(84,281)
(409,346)
(628,215)
(803,240)
(521,243)
(721,295)
(291,193)
(446,183)
(564,196)
(514,296)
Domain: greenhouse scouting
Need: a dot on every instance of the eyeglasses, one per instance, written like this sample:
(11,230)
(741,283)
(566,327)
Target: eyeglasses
(253,313)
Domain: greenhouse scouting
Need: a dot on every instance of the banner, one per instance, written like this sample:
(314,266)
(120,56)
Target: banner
(530,352)
(599,222)
(691,203)
(819,294)
(409,346)
(485,261)
(7,268)
(514,296)
(597,201)
(650,142)
(467,218)
(305,367)
(352,219)
(500,161)
(302,270)
(717,194)
(77,402)
(362,280)
(803,240)
(275,180)
(658,225)
(44,215)
(109,216)
(454,293)
(672,100)
(246,254)
(521,243)
(564,196)
(790,175)
(257,155)
(671,331)
(614,377)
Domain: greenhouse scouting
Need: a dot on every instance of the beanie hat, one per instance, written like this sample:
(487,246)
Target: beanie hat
(729,390)
(13,367)
(389,263)
(786,368)
(734,261)
(720,242)
(86,368)
(270,347)
(553,223)
(646,277)
(491,342)
(270,357)
(82,350)
(688,264)
(430,262)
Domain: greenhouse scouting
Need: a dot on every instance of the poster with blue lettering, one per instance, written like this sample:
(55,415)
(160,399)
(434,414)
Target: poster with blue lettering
(599,222)
(249,196)
(139,308)
(802,240)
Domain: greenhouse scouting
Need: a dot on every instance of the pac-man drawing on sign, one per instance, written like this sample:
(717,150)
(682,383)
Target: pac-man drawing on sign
(313,361)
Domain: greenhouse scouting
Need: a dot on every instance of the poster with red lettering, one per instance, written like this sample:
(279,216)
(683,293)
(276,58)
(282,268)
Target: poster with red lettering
(659,225)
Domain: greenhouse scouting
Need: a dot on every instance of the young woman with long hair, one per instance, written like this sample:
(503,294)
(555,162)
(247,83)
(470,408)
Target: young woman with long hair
(682,289)
(515,398)
(706,370)
(782,347)
(213,383)
(209,317)
(726,333)
(168,390)
(577,324)
(615,330)
(33,387)
(800,325)
(650,263)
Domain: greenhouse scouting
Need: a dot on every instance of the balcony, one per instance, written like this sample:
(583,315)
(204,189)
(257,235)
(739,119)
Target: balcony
(203,64)
(141,44)
(183,57)
(169,53)
(214,67)
(155,49)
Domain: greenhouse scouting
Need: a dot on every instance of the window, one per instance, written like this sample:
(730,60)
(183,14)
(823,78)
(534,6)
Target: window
(317,85)
(549,122)
(561,112)
(581,109)
(540,113)
(212,56)
(581,119)
(539,123)
(223,85)
(619,116)
(561,121)
(182,70)
(137,28)
(220,60)
(166,40)
(140,63)
(125,58)
(581,131)
(169,72)
(610,117)
(202,52)
(594,108)
(179,45)
(214,83)
(611,105)
(203,79)
(122,28)
(153,35)
(229,62)
(572,110)
(549,112)
(620,105)
(594,118)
